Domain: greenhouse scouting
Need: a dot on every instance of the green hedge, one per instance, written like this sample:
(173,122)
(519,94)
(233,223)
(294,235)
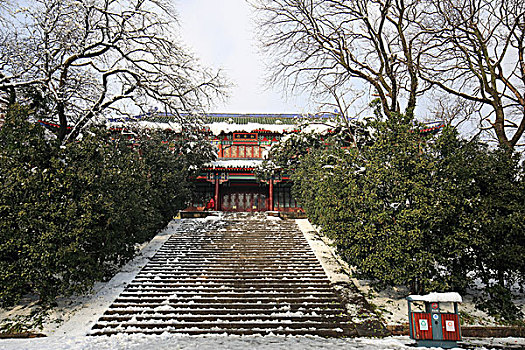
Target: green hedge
(433,213)
(72,214)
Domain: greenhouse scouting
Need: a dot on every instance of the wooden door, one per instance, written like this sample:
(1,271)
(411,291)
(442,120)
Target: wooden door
(244,198)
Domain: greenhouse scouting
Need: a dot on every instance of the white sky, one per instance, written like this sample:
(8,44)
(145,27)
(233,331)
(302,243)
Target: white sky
(221,33)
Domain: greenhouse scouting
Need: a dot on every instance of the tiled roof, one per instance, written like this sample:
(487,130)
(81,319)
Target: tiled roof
(236,118)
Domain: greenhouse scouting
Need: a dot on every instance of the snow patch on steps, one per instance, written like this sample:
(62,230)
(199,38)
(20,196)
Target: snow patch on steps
(80,321)
(265,253)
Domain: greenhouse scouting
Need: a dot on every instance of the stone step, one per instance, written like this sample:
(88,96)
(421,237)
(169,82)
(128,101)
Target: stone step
(261,312)
(283,331)
(237,277)
(236,284)
(228,237)
(224,324)
(281,317)
(230,299)
(225,293)
(222,279)
(236,242)
(240,305)
(227,290)
(233,273)
(229,270)
(240,259)
(240,265)
(238,253)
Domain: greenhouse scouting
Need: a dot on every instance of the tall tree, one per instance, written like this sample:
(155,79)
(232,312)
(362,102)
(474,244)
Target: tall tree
(431,213)
(88,57)
(72,214)
(332,43)
(469,49)
(477,52)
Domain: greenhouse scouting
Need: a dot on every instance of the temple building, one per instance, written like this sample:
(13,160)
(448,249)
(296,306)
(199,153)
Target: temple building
(230,183)
(241,140)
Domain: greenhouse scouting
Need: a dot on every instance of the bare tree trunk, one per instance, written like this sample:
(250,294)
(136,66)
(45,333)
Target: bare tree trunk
(499,126)
(62,130)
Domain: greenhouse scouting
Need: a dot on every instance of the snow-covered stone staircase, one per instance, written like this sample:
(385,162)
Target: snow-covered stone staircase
(240,275)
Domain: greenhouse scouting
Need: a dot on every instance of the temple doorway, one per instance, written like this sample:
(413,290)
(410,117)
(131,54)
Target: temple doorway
(244,197)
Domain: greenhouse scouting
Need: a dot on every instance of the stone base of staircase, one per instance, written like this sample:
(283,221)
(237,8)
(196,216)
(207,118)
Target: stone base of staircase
(194,214)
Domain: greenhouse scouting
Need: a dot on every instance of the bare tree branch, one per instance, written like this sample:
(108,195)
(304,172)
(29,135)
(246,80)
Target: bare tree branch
(86,57)
(319,43)
(478,55)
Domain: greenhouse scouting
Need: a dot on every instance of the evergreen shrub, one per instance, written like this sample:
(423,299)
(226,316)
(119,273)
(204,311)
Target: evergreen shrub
(433,213)
(71,214)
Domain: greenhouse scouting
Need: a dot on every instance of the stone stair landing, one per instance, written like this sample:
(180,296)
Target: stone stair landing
(242,275)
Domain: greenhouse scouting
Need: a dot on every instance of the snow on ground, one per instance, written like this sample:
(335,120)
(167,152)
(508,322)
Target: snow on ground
(81,321)
(76,315)
(392,304)
(172,342)
(79,314)
(336,269)
(168,341)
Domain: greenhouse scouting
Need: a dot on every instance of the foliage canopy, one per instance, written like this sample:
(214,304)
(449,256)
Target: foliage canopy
(433,213)
(71,215)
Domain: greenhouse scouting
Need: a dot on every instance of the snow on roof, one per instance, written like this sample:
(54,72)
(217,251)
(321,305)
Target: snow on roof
(224,127)
(148,125)
(451,297)
(218,123)
(237,118)
(254,118)
(235,163)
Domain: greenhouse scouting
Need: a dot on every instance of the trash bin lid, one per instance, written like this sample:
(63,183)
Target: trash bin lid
(451,297)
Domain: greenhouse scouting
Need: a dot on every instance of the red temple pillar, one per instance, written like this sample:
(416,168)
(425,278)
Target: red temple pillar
(216,192)
(271,196)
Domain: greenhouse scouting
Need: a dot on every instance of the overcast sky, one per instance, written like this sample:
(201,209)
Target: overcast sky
(221,34)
